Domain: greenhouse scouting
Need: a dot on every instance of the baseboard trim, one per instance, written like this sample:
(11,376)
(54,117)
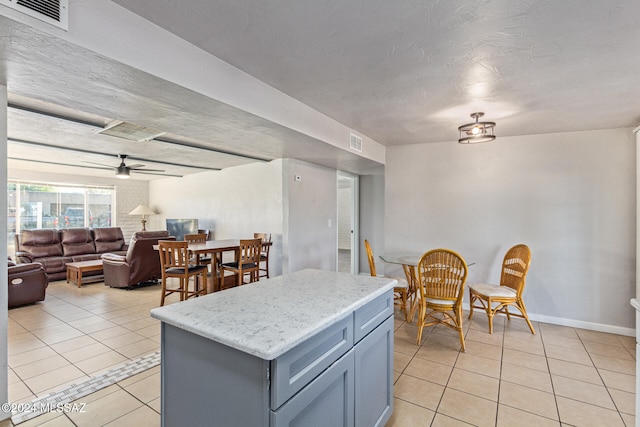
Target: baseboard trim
(592,326)
(599,327)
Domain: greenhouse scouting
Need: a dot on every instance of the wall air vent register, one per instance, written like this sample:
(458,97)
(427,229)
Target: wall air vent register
(50,11)
(355,142)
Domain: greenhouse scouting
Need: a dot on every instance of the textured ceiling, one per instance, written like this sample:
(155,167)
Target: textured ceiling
(53,85)
(411,71)
(399,72)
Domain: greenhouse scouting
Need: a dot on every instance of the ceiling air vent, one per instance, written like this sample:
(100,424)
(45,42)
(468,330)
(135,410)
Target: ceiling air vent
(50,11)
(355,142)
(130,131)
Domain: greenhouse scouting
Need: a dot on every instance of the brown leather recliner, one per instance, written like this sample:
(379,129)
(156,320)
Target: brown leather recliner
(27,283)
(140,264)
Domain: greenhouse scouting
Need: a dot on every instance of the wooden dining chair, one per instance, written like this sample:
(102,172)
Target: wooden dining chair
(400,292)
(442,274)
(495,299)
(264,253)
(198,238)
(174,262)
(247,264)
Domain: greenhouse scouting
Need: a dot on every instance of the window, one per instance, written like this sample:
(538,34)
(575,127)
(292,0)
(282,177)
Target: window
(46,205)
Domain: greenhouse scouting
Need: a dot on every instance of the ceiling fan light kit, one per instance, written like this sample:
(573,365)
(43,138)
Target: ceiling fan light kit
(477,132)
(122,172)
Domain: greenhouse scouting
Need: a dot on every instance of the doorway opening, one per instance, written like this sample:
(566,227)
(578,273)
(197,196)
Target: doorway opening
(347,229)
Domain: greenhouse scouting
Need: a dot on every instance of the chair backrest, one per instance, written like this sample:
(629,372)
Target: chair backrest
(442,274)
(142,258)
(515,267)
(196,238)
(108,239)
(266,238)
(250,250)
(173,254)
(372,263)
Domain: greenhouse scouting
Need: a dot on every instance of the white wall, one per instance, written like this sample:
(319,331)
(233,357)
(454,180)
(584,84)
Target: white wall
(570,197)
(260,197)
(129,194)
(372,220)
(310,207)
(232,203)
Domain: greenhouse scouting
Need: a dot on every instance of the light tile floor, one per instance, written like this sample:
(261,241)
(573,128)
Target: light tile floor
(560,376)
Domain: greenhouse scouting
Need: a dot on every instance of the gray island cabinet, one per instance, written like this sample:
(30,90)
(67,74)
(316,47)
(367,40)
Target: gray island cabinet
(311,348)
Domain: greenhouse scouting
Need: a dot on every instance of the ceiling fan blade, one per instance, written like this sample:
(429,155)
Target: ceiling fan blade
(136,166)
(100,164)
(146,170)
(141,172)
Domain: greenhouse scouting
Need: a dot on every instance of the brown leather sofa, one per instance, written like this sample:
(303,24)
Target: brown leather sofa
(27,283)
(140,264)
(55,248)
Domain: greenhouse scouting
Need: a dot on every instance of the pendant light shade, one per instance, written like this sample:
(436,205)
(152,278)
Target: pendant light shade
(476,132)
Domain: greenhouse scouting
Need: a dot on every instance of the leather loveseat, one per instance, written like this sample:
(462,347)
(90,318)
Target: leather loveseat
(27,283)
(55,248)
(140,264)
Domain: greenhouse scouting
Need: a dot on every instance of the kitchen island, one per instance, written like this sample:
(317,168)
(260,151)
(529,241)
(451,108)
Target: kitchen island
(308,348)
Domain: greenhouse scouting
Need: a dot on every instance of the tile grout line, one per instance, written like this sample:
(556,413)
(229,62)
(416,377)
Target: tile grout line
(56,400)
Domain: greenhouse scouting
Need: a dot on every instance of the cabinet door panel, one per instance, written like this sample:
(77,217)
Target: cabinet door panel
(369,316)
(326,401)
(299,366)
(374,377)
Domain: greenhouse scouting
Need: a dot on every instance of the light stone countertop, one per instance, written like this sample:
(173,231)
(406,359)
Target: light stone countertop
(269,317)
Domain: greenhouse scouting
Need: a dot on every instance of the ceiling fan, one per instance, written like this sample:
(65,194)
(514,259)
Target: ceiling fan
(123,171)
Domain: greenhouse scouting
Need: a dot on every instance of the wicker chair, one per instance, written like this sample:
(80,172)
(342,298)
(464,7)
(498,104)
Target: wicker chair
(400,292)
(442,274)
(496,299)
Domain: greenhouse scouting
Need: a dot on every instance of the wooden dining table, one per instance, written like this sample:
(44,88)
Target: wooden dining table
(216,248)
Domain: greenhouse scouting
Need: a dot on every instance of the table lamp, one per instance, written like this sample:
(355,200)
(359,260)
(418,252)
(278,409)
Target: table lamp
(143,210)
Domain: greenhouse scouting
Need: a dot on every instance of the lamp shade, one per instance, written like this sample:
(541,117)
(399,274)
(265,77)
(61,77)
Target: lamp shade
(142,210)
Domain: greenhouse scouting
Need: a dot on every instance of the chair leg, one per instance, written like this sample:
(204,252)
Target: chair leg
(205,276)
(164,291)
(472,300)
(203,291)
(414,304)
(421,320)
(523,310)
(403,301)
(490,314)
(459,326)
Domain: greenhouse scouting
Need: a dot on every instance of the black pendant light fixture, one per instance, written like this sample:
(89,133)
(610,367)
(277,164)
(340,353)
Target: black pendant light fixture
(477,132)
